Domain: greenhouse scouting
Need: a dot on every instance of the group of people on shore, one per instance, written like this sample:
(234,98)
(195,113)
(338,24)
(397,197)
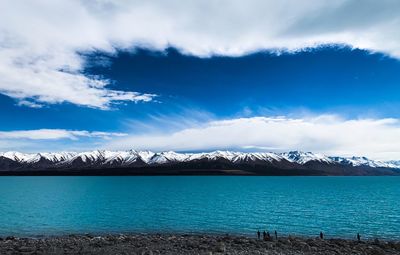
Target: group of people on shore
(267,236)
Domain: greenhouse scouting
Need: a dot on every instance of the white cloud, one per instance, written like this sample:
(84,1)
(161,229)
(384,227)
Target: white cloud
(40,41)
(54,134)
(29,104)
(332,135)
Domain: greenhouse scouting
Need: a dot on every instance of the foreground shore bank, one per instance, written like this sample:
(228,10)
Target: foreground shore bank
(191,244)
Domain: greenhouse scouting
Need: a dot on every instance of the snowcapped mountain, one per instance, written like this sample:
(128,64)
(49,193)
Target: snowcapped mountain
(253,163)
(304,157)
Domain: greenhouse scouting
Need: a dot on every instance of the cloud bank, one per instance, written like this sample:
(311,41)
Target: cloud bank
(328,134)
(41,41)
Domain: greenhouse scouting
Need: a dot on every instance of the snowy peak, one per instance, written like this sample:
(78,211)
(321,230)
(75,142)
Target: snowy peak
(363,161)
(304,157)
(167,157)
(31,158)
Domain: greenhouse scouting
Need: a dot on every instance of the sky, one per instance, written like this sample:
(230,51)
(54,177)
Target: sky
(320,76)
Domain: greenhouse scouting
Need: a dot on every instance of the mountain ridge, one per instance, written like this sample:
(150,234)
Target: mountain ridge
(257,163)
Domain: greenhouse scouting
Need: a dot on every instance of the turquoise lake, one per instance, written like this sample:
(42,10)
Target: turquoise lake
(338,206)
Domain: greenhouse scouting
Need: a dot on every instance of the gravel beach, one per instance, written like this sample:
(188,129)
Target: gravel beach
(191,244)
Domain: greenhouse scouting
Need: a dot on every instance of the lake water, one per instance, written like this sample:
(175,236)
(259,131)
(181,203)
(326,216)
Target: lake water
(338,206)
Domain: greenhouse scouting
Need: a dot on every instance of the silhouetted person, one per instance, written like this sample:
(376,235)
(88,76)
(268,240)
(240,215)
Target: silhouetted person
(258,234)
(268,237)
(321,235)
(264,235)
(276,235)
(358,237)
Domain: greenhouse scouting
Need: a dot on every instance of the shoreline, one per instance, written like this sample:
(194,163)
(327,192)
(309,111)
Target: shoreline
(191,244)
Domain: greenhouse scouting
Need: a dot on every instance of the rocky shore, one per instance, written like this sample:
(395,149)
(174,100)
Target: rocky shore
(191,244)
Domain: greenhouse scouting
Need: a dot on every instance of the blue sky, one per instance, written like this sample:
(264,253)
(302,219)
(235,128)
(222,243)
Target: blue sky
(317,84)
(354,83)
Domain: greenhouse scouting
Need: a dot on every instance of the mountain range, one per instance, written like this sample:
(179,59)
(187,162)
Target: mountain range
(132,162)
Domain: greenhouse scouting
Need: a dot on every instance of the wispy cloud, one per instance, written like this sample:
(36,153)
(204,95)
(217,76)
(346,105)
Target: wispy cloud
(40,41)
(40,140)
(29,104)
(186,118)
(329,134)
(55,134)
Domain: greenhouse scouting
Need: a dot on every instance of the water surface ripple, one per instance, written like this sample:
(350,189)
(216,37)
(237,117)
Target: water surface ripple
(338,206)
